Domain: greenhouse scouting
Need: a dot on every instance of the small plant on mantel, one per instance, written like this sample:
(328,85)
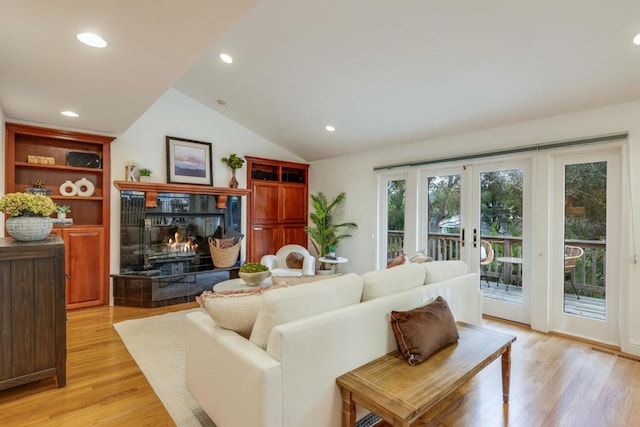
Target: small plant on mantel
(145,174)
(233,162)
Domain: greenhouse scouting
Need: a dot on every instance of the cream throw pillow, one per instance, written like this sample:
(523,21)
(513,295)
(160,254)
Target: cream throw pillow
(234,310)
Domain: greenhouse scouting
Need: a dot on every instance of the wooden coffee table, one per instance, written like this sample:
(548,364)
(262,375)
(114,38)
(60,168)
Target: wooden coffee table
(401,394)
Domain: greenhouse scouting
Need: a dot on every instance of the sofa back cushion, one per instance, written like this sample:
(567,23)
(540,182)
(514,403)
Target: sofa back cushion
(439,271)
(287,304)
(380,283)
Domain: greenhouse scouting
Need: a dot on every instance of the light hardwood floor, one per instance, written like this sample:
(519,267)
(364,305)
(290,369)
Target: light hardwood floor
(555,381)
(104,385)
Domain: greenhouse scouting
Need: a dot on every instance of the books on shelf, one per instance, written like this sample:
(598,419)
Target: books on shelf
(62,221)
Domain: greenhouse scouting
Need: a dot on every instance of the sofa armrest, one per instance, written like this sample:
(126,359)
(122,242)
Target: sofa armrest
(270,261)
(224,371)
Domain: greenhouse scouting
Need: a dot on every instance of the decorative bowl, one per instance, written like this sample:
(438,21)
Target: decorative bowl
(254,279)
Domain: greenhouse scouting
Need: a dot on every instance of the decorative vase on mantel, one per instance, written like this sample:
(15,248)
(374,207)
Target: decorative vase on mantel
(233,183)
(29,228)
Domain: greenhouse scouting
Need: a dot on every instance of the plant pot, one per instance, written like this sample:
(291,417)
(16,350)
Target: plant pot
(221,201)
(145,178)
(29,228)
(254,279)
(233,183)
(62,215)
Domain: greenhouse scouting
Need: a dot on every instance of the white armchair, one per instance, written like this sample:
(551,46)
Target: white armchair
(278,263)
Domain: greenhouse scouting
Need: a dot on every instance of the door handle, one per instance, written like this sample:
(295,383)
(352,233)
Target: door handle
(462,238)
(257,228)
(475,237)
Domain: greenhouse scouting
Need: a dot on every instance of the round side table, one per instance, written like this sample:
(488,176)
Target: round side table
(335,262)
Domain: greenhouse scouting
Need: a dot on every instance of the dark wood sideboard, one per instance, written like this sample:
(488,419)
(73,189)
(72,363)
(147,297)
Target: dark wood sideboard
(33,341)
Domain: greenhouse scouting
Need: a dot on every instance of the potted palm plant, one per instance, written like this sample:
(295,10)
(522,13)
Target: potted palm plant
(325,233)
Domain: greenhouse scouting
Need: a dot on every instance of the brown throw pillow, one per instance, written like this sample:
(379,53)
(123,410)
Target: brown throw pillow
(424,330)
(295,260)
(399,260)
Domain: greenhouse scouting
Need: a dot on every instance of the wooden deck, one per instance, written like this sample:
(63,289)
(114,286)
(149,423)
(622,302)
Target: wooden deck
(592,308)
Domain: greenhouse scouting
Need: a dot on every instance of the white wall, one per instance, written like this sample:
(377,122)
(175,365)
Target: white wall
(354,175)
(175,114)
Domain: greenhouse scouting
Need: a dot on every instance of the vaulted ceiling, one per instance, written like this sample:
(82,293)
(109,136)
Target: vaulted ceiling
(381,72)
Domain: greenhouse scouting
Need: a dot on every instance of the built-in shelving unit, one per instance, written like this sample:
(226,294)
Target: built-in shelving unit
(40,153)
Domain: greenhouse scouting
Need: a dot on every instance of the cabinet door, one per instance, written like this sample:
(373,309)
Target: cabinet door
(85,267)
(293,203)
(294,235)
(264,203)
(266,239)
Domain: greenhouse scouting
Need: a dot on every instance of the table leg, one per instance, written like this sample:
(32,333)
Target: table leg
(348,409)
(506,374)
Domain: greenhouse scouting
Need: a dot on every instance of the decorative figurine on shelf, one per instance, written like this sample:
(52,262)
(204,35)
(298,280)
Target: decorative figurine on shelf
(130,171)
(233,162)
(37,187)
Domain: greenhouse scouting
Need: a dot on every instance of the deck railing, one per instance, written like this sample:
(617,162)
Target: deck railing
(588,276)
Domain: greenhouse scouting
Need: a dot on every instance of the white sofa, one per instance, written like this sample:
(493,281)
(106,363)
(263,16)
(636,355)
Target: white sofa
(292,382)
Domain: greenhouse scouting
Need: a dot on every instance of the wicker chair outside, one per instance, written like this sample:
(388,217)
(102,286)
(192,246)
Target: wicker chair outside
(488,259)
(571,256)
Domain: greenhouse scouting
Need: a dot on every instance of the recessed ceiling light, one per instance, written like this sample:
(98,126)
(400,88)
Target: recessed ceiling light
(330,128)
(70,114)
(226,58)
(636,39)
(91,39)
(221,101)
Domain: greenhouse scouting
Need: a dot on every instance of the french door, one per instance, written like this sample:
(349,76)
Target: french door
(586,245)
(479,213)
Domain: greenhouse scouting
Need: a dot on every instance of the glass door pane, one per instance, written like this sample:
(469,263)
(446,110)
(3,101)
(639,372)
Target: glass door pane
(585,244)
(501,219)
(443,217)
(396,200)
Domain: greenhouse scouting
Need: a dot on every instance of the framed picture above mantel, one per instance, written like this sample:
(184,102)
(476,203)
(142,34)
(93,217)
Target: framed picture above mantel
(189,162)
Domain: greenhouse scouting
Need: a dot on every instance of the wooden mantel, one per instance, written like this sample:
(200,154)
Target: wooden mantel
(151,190)
(158,187)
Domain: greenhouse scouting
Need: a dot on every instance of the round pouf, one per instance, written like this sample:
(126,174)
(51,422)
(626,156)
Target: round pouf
(29,228)
(253,279)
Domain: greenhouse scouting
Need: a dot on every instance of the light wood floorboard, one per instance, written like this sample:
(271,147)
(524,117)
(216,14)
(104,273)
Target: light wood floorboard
(555,381)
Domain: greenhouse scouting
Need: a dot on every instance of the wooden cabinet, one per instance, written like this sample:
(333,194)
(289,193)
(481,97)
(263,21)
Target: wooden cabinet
(32,312)
(86,284)
(55,157)
(278,205)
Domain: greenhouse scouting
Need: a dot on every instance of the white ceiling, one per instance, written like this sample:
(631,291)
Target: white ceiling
(382,72)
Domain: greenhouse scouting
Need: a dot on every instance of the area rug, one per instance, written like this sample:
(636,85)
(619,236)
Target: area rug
(157,345)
